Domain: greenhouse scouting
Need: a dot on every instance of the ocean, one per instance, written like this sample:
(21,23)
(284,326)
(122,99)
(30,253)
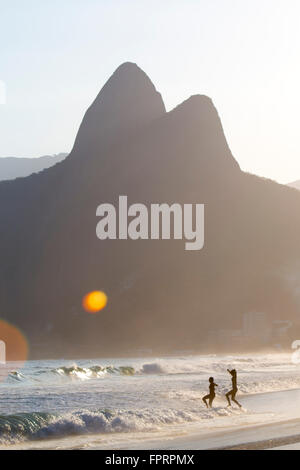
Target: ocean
(114,403)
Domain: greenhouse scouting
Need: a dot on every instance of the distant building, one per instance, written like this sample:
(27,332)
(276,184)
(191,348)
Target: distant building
(226,338)
(280,328)
(256,325)
(257,330)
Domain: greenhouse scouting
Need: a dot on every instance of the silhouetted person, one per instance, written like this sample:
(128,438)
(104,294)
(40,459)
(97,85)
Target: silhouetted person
(234,390)
(211,394)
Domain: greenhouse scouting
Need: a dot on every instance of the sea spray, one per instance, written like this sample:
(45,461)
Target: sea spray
(34,426)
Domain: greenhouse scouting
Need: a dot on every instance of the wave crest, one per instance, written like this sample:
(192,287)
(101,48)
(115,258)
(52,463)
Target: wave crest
(35,426)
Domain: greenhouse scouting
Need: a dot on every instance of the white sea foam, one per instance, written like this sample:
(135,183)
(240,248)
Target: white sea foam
(34,426)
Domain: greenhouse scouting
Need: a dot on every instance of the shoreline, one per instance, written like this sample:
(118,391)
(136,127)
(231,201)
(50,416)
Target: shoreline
(258,437)
(269,444)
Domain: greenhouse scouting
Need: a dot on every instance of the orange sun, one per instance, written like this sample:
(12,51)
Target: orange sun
(94,301)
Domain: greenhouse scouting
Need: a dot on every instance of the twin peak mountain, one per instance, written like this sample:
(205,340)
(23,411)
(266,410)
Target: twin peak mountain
(160,296)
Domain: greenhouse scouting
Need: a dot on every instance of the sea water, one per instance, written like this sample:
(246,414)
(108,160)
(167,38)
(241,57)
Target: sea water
(107,398)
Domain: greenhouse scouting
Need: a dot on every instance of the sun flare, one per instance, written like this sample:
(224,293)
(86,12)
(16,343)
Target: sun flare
(94,301)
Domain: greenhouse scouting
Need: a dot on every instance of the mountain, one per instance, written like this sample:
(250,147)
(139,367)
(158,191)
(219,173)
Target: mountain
(126,103)
(12,167)
(295,184)
(160,295)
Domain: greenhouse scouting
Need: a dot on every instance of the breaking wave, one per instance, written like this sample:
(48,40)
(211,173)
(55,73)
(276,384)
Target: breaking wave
(16,376)
(92,371)
(38,426)
(168,366)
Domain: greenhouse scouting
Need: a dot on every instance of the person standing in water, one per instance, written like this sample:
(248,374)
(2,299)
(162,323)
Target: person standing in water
(211,394)
(234,389)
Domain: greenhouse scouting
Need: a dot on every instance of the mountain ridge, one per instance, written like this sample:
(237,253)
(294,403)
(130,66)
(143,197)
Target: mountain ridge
(160,296)
(16,167)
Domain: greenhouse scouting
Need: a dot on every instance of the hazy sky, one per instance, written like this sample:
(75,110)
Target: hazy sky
(55,55)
